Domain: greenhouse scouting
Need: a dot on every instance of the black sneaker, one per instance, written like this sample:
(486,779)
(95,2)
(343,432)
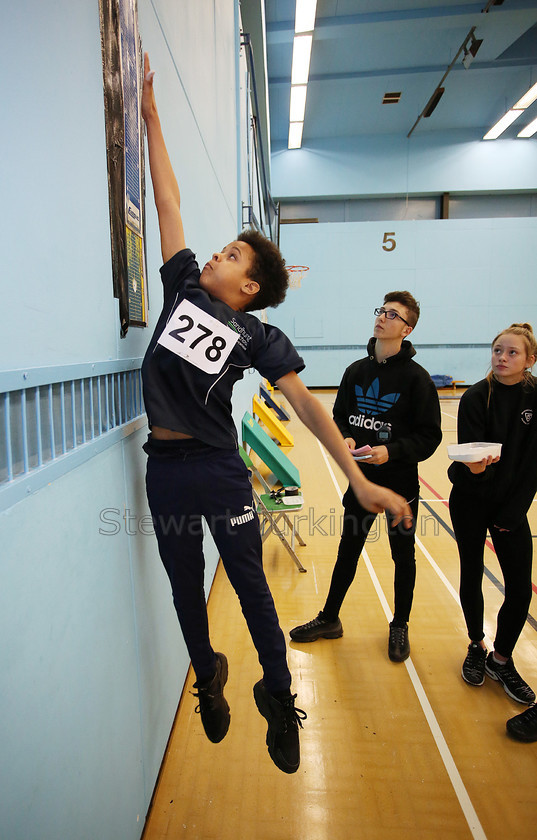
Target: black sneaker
(213,706)
(523,727)
(283,722)
(398,643)
(318,628)
(511,680)
(473,667)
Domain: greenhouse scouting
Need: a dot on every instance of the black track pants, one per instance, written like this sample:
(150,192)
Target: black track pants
(471,519)
(214,484)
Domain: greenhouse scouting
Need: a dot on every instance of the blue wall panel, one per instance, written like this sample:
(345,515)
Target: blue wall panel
(69,702)
(377,165)
(472,277)
(92,662)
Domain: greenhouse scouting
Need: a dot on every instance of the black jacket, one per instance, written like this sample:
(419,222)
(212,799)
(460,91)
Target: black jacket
(182,395)
(393,402)
(509,417)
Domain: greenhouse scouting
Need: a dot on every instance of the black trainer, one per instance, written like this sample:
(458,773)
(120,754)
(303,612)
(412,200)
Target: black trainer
(473,667)
(511,680)
(398,643)
(523,727)
(318,628)
(283,722)
(213,706)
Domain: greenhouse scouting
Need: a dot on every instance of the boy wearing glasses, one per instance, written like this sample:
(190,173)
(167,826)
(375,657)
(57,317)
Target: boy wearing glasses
(387,405)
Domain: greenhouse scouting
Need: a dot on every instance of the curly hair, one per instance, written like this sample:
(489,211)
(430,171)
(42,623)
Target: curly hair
(407,300)
(268,269)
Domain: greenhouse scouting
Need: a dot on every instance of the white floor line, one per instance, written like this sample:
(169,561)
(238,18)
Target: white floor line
(458,785)
(445,754)
(452,591)
(315,582)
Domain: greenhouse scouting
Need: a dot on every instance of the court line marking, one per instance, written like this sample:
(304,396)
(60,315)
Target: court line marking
(488,542)
(451,768)
(450,588)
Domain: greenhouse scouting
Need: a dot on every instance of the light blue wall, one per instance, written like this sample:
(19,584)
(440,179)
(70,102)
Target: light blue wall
(426,163)
(55,201)
(92,662)
(473,277)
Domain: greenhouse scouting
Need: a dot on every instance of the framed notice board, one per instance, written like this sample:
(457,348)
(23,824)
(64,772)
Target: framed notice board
(122,79)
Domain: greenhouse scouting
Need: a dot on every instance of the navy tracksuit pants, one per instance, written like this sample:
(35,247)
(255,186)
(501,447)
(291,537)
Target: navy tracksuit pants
(188,482)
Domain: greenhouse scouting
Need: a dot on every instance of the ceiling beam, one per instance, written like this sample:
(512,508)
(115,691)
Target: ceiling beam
(287,27)
(406,71)
(379,17)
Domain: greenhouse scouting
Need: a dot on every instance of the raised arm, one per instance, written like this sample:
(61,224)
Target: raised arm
(372,496)
(165,187)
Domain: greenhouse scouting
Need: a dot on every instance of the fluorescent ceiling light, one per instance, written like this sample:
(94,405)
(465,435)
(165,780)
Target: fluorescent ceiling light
(300,70)
(295,135)
(530,129)
(298,103)
(502,124)
(528,98)
(305,15)
(301,59)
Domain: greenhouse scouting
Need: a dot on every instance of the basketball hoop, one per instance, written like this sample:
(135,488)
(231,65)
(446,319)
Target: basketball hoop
(296,273)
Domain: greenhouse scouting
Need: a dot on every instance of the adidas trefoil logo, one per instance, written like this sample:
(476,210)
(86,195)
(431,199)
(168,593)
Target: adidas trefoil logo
(371,402)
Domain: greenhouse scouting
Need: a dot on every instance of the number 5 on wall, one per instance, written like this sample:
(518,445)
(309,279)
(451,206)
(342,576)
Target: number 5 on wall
(389,242)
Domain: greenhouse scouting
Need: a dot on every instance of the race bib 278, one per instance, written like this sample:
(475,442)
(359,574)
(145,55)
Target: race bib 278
(197,337)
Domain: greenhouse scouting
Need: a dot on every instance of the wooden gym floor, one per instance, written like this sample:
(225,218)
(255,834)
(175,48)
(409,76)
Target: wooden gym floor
(389,751)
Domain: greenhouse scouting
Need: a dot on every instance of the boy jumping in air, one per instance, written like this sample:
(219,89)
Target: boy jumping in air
(204,340)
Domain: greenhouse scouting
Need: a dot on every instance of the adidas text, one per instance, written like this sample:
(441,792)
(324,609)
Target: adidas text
(364,422)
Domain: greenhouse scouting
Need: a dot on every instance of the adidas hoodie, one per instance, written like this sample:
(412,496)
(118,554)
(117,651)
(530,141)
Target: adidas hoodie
(392,403)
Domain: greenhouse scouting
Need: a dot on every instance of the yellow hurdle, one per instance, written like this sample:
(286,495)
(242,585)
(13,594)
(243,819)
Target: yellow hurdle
(269,419)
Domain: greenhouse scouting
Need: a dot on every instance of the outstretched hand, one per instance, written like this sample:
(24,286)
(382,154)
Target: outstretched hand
(376,498)
(149,105)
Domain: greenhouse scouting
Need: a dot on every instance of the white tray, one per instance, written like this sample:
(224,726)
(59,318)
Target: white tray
(472,452)
(293,501)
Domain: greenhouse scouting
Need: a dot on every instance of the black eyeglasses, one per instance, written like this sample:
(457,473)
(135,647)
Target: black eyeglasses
(391,314)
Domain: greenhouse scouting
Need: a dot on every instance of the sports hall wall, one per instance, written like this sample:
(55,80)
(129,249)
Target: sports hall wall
(92,662)
(473,276)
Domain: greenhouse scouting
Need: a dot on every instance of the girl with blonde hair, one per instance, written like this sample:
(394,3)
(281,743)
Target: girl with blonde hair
(494,495)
